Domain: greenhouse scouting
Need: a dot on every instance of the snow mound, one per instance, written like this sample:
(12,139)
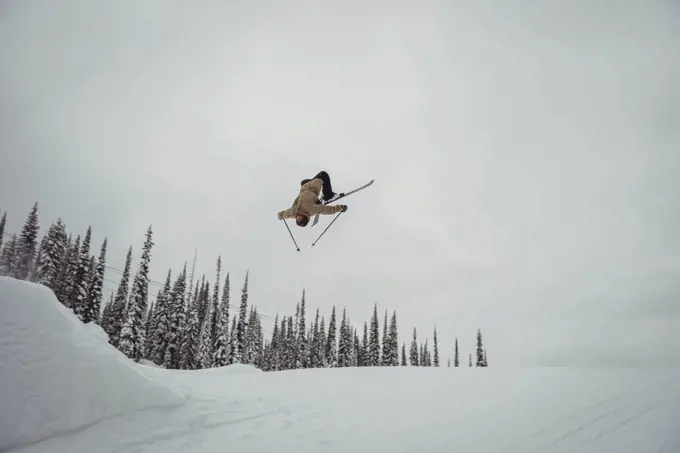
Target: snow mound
(58,375)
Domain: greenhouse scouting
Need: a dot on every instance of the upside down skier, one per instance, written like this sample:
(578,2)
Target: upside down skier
(307,203)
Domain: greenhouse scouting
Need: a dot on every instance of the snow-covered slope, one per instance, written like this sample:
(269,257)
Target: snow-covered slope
(240,409)
(58,375)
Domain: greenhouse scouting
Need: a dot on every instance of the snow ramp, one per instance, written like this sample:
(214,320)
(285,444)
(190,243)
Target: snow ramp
(58,375)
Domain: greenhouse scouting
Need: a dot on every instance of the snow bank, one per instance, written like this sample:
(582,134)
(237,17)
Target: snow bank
(58,375)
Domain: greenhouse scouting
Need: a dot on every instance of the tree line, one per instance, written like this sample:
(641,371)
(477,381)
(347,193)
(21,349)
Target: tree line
(190,325)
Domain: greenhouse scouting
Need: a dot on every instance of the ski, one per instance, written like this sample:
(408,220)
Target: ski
(346,194)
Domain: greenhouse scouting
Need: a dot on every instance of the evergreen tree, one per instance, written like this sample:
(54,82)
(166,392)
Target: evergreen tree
(486,363)
(159,333)
(241,327)
(205,351)
(221,354)
(69,277)
(480,349)
(233,342)
(26,246)
(80,280)
(386,350)
(118,307)
(8,257)
(3,222)
(52,255)
(193,331)
(302,352)
(132,335)
(331,344)
(365,357)
(94,295)
(344,342)
(470,359)
(393,336)
(436,348)
(63,280)
(455,354)
(177,315)
(321,361)
(315,352)
(413,357)
(356,349)
(374,340)
(215,308)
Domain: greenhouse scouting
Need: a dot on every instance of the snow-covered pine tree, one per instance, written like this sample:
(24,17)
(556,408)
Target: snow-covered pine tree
(205,351)
(158,334)
(94,294)
(176,318)
(403,354)
(119,305)
(8,257)
(215,308)
(190,349)
(63,273)
(106,313)
(302,358)
(413,356)
(331,353)
(374,340)
(69,277)
(233,342)
(133,339)
(282,345)
(480,349)
(343,347)
(242,324)
(26,245)
(486,362)
(254,339)
(470,359)
(3,222)
(385,343)
(80,280)
(393,336)
(321,359)
(33,274)
(314,351)
(221,352)
(356,349)
(52,255)
(273,360)
(456,362)
(249,350)
(436,348)
(365,359)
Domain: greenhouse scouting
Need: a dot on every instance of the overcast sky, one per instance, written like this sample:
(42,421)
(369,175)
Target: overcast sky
(526,157)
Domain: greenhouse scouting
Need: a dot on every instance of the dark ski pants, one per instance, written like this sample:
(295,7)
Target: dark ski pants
(327,189)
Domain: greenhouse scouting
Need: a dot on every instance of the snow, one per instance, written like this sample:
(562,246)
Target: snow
(69,390)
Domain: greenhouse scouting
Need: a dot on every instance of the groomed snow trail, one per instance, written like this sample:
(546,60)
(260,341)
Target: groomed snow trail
(372,410)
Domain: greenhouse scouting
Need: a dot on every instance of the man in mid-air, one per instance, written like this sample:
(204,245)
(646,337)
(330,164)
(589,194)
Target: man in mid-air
(307,203)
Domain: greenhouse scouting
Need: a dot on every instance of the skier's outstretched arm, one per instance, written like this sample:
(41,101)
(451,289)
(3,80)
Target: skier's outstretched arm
(286,214)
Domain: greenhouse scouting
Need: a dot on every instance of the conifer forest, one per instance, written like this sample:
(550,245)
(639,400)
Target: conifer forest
(194,322)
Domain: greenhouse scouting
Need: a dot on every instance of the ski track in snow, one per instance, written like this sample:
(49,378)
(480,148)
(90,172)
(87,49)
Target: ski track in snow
(626,419)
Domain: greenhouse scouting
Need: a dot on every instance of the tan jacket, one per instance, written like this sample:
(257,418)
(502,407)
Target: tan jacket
(307,202)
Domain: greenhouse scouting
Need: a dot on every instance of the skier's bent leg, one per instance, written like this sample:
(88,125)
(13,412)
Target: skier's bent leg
(327,188)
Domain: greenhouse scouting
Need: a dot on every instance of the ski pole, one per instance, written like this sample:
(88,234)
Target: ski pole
(329,225)
(291,235)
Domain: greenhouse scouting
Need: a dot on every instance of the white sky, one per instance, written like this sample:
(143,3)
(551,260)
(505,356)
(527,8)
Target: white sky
(525,156)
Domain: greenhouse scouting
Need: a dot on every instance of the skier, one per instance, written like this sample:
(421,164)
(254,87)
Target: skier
(307,203)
